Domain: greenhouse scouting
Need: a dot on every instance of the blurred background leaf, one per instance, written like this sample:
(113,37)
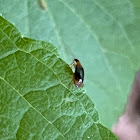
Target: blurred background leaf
(103,35)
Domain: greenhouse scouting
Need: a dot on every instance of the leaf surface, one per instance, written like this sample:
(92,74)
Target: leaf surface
(103,35)
(36,98)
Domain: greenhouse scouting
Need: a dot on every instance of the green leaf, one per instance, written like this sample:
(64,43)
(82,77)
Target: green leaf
(103,35)
(37,100)
(29,19)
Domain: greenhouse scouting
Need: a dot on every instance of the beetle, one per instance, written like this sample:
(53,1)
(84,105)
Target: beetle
(78,76)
